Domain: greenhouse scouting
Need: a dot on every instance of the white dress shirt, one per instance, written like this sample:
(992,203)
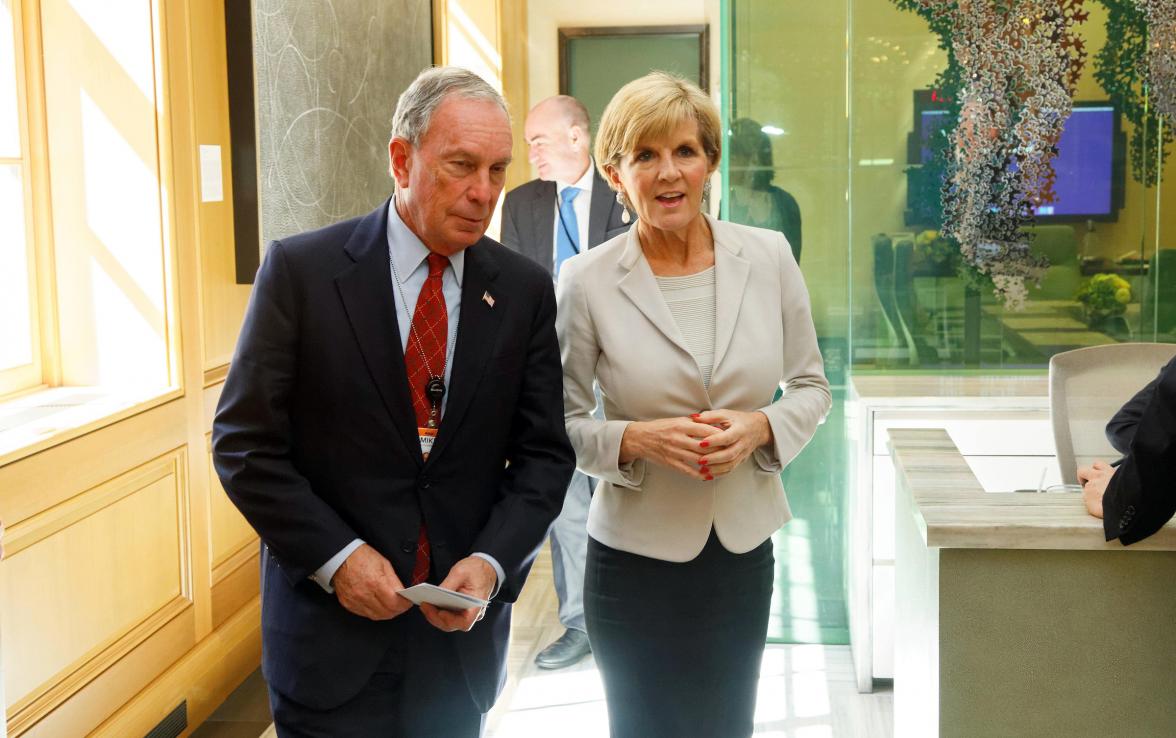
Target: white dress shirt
(409,261)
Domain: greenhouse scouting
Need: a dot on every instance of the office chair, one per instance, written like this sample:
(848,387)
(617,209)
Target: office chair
(1087,386)
(907,305)
(884,288)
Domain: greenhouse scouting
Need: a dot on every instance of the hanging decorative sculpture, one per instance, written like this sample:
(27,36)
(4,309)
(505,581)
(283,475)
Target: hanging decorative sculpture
(1122,68)
(1161,54)
(1019,62)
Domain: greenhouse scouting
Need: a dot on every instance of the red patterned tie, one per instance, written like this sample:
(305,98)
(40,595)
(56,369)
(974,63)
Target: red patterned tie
(429,336)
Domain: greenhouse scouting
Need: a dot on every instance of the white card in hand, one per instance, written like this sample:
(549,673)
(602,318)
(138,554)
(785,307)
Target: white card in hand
(446,599)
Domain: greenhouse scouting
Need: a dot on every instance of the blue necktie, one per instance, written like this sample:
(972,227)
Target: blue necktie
(567,231)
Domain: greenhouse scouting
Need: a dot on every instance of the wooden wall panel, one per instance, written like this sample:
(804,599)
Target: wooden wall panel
(222,300)
(117,530)
(204,677)
(117,685)
(38,482)
(235,576)
(69,567)
(230,531)
(235,583)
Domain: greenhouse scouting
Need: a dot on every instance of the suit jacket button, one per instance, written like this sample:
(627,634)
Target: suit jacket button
(424,484)
(408,547)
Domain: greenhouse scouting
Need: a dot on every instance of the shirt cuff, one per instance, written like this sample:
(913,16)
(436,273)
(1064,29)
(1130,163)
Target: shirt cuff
(493,562)
(326,572)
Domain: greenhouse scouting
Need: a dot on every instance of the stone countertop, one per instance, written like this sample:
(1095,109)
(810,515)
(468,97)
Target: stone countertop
(952,510)
(934,389)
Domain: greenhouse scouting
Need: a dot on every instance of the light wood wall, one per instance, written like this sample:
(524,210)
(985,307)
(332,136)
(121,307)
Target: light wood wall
(490,38)
(130,582)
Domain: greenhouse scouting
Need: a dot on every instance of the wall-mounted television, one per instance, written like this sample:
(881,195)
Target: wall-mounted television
(1090,164)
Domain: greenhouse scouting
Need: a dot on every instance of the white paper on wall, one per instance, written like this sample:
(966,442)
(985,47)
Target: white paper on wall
(212,187)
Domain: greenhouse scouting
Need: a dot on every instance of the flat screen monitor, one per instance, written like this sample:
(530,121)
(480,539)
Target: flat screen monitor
(1089,163)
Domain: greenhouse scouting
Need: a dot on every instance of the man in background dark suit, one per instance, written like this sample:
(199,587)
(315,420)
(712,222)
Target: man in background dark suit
(1138,497)
(373,443)
(568,209)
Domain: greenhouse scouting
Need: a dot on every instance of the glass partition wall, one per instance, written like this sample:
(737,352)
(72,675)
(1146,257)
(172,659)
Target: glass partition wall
(835,136)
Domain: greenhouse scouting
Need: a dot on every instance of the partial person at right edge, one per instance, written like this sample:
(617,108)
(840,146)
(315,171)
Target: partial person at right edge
(567,210)
(1138,497)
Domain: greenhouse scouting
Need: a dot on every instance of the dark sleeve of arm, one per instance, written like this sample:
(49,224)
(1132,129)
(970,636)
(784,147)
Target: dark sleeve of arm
(540,455)
(1121,428)
(1141,496)
(251,434)
(510,231)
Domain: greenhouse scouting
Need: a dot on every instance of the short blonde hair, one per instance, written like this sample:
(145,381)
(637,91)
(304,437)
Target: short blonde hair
(650,108)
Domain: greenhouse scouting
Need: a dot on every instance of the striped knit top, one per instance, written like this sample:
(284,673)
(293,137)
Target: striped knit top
(691,300)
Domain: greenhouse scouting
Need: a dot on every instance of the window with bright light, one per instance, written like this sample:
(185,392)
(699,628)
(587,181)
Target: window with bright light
(83,250)
(20,364)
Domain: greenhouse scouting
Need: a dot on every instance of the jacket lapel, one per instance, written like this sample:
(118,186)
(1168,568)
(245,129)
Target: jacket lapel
(366,291)
(639,285)
(600,211)
(543,220)
(476,335)
(731,273)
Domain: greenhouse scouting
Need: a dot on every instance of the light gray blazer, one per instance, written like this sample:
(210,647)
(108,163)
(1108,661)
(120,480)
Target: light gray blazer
(615,328)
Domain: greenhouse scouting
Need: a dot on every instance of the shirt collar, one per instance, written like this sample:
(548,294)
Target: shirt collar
(584,183)
(409,252)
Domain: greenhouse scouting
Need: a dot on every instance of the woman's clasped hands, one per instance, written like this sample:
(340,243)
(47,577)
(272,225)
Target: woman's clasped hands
(704,446)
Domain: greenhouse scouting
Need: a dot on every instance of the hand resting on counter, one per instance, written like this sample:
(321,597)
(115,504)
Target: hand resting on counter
(1094,481)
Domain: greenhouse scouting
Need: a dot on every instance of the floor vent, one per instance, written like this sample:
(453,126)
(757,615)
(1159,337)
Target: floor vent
(172,725)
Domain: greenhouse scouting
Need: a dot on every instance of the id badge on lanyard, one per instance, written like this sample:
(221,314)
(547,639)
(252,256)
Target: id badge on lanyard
(426,436)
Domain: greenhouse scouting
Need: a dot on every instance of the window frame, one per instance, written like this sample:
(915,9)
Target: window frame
(41,371)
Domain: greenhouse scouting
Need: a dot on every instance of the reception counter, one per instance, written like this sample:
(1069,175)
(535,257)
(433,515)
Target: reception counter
(1001,425)
(1015,617)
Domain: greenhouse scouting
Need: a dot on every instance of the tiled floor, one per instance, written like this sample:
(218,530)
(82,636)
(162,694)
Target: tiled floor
(245,714)
(806,691)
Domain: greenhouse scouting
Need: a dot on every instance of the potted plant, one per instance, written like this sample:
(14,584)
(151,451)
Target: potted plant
(1104,299)
(937,255)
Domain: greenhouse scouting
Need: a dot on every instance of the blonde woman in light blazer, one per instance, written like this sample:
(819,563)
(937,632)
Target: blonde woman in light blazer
(688,325)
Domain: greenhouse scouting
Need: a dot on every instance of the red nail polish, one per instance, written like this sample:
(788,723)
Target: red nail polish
(695,415)
(709,478)
(704,444)
(702,462)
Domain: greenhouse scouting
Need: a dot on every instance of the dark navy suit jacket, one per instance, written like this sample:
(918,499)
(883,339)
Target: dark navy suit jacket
(315,442)
(1141,496)
(528,218)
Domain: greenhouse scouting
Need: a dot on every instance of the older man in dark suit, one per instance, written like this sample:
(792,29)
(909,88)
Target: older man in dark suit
(394,415)
(1139,496)
(569,208)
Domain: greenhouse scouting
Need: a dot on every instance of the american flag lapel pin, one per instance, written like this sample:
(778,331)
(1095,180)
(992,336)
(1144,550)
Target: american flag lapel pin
(486,298)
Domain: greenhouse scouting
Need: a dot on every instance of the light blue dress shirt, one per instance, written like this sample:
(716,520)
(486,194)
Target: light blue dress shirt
(409,255)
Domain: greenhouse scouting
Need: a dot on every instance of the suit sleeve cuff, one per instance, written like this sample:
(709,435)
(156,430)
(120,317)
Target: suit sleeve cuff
(325,573)
(629,474)
(767,457)
(498,572)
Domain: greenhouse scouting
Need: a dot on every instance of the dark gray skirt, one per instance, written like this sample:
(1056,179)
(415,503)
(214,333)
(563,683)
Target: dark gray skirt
(679,645)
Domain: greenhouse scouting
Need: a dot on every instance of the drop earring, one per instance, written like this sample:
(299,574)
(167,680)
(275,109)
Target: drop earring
(624,208)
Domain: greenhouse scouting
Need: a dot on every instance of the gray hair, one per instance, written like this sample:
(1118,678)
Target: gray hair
(415,108)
